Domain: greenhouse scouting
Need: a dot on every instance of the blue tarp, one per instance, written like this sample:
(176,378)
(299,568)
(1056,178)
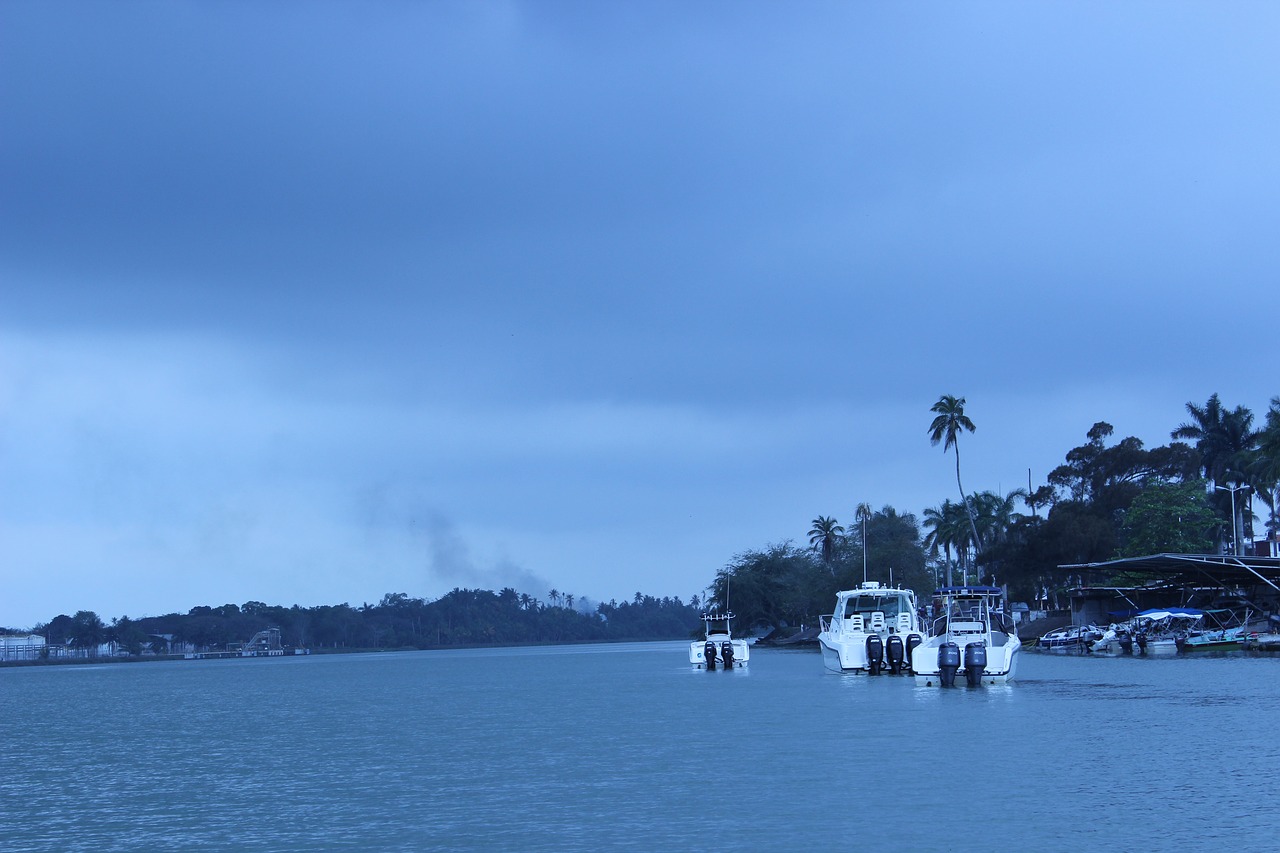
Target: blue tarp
(969,590)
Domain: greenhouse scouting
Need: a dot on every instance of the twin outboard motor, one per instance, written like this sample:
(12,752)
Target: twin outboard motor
(895,653)
(726,654)
(875,653)
(913,640)
(709,654)
(948,663)
(975,661)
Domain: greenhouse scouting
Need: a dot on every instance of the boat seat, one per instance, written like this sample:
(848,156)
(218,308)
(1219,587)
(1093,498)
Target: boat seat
(904,623)
(877,621)
(854,622)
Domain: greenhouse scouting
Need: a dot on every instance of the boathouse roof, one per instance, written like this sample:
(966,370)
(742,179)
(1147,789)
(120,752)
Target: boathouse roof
(1218,569)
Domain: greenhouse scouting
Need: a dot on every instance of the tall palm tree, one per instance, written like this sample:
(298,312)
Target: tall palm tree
(946,428)
(824,536)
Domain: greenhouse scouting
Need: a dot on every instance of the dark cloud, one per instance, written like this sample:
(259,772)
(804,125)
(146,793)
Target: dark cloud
(397,228)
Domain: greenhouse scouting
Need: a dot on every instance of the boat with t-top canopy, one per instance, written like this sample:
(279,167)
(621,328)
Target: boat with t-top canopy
(971,635)
(718,645)
(872,628)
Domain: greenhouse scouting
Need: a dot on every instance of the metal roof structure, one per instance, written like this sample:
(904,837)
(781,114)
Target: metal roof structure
(1218,569)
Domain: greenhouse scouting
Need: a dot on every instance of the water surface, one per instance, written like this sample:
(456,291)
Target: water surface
(624,747)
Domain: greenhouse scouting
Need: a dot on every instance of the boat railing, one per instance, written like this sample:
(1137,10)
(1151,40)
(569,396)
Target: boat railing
(824,622)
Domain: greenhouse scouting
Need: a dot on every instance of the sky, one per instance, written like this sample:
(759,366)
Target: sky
(307,303)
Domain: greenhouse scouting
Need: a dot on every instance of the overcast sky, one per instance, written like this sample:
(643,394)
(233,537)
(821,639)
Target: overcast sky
(307,303)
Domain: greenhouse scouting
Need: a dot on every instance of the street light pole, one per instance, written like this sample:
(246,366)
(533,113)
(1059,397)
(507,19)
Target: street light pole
(864,549)
(1235,533)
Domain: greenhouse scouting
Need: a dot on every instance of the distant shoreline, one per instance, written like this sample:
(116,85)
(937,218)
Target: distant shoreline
(79,661)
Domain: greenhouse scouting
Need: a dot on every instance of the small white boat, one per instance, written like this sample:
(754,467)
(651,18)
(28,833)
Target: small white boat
(718,646)
(1072,638)
(873,627)
(972,636)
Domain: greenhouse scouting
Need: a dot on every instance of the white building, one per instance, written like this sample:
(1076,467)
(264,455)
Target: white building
(21,646)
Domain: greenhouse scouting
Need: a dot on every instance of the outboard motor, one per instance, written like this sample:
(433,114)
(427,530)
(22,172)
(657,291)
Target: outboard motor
(1180,640)
(1126,644)
(726,654)
(913,640)
(709,654)
(1142,642)
(975,661)
(894,651)
(875,653)
(948,663)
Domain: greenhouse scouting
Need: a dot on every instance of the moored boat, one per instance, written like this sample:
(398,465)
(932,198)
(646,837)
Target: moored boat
(873,627)
(971,636)
(718,647)
(1262,642)
(1161,631)
(1072,638)
(1220,640)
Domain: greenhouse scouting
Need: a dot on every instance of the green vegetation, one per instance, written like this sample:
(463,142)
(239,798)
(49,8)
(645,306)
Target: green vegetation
(461,617)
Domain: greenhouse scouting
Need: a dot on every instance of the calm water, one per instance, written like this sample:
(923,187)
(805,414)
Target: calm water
(585,748)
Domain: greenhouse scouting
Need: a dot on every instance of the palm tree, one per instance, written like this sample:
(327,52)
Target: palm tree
(949,528)
(1226,442)
(995,514)
(1204,428)
(1267,470)
(824,536)
(946,428)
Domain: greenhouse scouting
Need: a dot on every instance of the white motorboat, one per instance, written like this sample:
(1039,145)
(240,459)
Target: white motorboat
(718,646)
(873,627)
(972,635)
(1072,638)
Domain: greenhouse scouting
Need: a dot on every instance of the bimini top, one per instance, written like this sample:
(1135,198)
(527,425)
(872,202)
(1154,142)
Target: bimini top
(970,591)
(1167,612)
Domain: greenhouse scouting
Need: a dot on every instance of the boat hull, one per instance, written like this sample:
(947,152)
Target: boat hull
(1001,668)
(741,652)
(846,656)
(872,610)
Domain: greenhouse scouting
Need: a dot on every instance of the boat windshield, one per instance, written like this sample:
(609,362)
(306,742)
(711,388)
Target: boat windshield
(970,609)
(889,605)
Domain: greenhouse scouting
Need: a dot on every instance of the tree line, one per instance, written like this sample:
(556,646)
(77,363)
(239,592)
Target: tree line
(458,618)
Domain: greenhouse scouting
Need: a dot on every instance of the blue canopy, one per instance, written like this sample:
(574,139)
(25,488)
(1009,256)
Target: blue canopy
(1166,612)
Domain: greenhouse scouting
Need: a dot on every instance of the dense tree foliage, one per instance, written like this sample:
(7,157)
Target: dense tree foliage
(461,617)
(1169,518)
(785,586)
